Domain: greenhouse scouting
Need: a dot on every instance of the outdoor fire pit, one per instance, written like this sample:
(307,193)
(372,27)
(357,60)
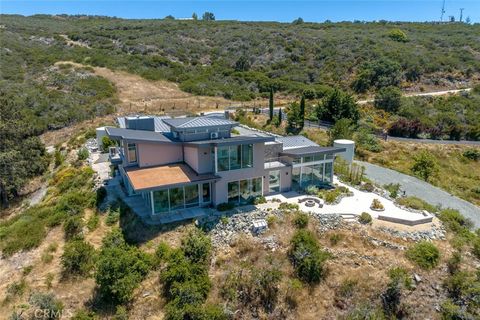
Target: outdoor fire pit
(309,203)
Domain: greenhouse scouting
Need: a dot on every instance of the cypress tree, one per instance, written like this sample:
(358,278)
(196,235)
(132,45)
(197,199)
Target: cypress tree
(280,116)
(301,121)
(270,104)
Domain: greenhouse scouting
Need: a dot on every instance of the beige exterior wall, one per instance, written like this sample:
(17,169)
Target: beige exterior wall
(221,186)
(154,154)
(190,155)
(285,179)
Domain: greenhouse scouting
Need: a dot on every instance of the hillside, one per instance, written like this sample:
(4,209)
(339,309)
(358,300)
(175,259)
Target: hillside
(240,60)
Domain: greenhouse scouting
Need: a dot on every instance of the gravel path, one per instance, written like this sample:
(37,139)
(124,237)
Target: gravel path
(423,190)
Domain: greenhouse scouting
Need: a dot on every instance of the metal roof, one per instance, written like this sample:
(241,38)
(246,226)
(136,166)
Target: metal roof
(137,135)
(198,122)
(231,141)
(291,142)
(160,126)
(305,151)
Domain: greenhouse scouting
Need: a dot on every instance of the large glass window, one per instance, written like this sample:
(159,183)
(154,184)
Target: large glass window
(132,152)
(247,155)
(206,192)
(245,191)
(296,177)
(256,187)
(160,201)
(222,156)
(234,157)
(328,172)
(274,181)
(191,196)
(307,159)
(176,198)
(233,192)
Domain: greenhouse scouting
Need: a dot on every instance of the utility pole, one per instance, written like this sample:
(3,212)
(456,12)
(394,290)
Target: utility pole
(461,14)
(443,11)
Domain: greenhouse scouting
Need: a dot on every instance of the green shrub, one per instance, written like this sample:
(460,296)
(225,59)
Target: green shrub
(73,227)
(301,220)
(16,289)
(454,262)
(225,206)
(107,143)
(288,206)
(425,254)
(311,190)
(476,247)
(365,218)
(120,268)
(335,238)
(49,305)
(347,288)
(113,216)
(393,189)
(401,276)
(367,187)
(82,154)
(271,220)
(416,203)
(307,258)
(78,258)
(163,251)
(472,154)
(101,195)
(259,200)
(93,222)
(197,246)
(455,222)
(83,315)
(376,205)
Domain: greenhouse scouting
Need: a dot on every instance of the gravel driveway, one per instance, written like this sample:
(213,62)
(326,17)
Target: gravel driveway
(422,190)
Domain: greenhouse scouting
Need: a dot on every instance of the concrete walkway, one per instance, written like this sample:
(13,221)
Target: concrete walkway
(418,188)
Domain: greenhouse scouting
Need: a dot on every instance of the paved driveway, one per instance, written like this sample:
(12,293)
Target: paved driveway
(422,190)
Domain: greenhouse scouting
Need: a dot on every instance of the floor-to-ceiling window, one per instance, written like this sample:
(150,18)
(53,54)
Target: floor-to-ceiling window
(181,197)
(244,191)
(274,181)
(132,152)
(234,157)
(308,171)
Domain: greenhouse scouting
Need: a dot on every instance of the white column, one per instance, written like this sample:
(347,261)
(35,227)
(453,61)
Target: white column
(215,158)
(151,202)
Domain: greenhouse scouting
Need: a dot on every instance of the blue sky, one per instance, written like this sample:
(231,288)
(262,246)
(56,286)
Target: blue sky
(265,10)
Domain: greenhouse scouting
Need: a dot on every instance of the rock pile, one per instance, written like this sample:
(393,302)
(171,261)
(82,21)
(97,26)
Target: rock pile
(327,221)
(224,230)
(435,233)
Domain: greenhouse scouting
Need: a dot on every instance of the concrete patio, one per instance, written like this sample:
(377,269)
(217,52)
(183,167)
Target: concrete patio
(355,205)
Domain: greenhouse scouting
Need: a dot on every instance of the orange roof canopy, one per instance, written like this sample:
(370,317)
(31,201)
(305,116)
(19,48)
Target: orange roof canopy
(163,176)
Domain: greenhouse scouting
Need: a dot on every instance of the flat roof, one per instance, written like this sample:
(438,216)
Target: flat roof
(160,126)
(198,122)
(290,142)
(137,135)
(305,151)
(164,176)
(231,141)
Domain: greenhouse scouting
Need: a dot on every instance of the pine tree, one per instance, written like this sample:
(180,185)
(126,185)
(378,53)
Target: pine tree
(270,104)
(280,117)
(301,121)
(194,16)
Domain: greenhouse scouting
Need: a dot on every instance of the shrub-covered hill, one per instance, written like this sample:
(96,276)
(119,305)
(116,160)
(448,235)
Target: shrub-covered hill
(240,60)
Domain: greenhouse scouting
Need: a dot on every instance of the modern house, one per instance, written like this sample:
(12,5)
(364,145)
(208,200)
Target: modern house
(174,164)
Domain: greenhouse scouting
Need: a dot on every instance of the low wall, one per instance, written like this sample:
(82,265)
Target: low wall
(406,222)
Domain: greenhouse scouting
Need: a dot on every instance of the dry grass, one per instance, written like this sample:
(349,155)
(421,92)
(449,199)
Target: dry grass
(457,174)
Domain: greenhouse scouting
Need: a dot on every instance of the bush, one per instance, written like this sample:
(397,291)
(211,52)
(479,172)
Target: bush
(120,268)
(73,227)
(397,35)
(301,220)
(425,254)
(259,200)
(225,206)
(376,205)
(101,194)
(416,203)
(400,275)
(425,165)
(393,189)
(365,218)
(336,238)
(197,246)
(93,222)
(288,206)
(472,154)
(49,305)
(367,187)
(107,143)
(78,258)
(388,99)
(307,258)
(476,247)
(455,222)
(454,262)
(113,216)
(82,154)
